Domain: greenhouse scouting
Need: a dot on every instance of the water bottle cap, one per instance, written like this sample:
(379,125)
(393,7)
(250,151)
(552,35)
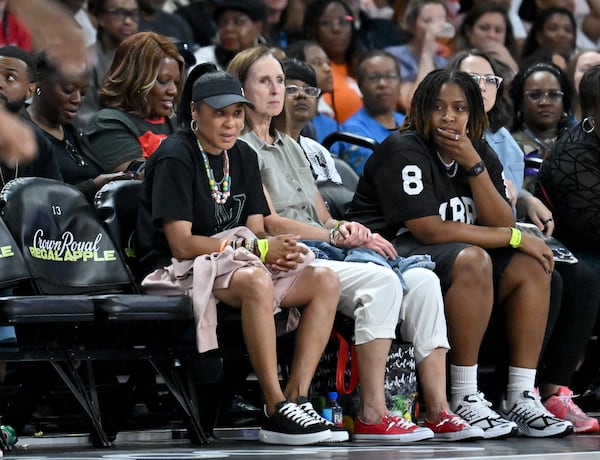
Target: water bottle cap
(332,395)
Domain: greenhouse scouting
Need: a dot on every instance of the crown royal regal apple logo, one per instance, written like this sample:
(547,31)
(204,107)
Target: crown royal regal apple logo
(68,249)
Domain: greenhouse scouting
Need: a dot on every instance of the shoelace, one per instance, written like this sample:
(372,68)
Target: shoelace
(297,415)
(483,409)
(309,409)
(453,419)
(398,421)
(568,401)
(532,407)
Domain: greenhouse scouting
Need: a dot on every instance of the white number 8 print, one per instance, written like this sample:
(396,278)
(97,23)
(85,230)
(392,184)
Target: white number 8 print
(412,180)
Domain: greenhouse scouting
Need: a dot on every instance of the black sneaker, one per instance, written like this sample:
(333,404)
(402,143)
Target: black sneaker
(338,434)
(290,425)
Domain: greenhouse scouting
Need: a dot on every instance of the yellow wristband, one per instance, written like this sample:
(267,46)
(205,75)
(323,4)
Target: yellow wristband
(339,224)
(515,237)
(263,248)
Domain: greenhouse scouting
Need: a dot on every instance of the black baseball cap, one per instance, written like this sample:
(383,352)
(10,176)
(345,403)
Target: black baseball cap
(255,9)
(219,89)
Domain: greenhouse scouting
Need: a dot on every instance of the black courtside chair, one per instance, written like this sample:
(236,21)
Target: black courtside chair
(68,251)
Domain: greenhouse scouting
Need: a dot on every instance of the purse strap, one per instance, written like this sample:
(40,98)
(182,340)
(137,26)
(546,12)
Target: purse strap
(342,363)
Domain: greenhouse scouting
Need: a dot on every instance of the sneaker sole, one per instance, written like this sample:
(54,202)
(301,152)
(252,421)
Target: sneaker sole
(472,434)
(339,436)
(529,433)
(501,432)
(586,429)
(409,437)
(274,437)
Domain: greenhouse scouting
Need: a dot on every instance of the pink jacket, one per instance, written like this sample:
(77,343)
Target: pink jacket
(197,278)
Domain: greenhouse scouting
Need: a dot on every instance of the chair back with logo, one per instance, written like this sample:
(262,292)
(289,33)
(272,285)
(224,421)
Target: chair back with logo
(66,248)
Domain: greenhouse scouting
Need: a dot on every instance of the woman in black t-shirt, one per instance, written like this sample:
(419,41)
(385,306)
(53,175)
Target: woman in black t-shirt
(436,188)
(202,182)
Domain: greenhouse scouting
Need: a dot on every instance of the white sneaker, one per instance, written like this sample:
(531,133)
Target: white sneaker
(477,411)
(533,419)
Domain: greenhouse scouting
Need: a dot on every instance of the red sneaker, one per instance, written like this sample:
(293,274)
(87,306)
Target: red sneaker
(390,428)
(451,427)
(561,405)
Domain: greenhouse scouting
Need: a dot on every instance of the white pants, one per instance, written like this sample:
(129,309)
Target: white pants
(372,296)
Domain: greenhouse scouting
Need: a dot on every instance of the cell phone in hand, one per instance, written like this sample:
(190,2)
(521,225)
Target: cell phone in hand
(136,167)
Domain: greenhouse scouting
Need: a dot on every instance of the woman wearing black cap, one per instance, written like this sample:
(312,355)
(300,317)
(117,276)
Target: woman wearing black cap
(240,25)
(202,209)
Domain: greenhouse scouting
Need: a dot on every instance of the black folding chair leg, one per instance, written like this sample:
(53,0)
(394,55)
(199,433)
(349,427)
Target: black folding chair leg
(88,401)
(184,397)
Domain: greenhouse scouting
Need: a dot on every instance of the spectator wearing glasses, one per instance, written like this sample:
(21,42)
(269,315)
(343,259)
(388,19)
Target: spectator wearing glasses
(580,298)
(115,21)
(301,95)
(331,24)
(313,54)
(379,82)
(542,112)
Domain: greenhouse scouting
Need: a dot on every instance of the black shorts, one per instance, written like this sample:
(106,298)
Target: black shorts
(445,254)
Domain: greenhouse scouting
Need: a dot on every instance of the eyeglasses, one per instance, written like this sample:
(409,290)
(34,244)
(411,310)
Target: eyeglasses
(74,154)
(344,21)
(536,95)
(308,91)
(122,14)
(489,80)
(376,77)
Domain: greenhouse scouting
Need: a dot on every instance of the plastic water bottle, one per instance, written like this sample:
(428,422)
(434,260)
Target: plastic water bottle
(332,410)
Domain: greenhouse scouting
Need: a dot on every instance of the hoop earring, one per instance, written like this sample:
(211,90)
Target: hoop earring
(588,125)
(194,125)
(38,91)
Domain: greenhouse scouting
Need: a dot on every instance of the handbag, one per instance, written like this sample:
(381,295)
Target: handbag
(338,371)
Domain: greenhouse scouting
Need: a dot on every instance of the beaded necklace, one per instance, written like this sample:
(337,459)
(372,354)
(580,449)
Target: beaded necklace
(219,196)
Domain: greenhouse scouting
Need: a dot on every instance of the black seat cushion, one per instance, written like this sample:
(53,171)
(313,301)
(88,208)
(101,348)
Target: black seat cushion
(144,307)
(46,309)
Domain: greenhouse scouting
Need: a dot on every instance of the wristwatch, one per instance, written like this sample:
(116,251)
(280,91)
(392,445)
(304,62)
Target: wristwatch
(476,170)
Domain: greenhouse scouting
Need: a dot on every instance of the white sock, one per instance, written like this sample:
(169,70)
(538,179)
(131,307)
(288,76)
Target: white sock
(520,379)
(463,382)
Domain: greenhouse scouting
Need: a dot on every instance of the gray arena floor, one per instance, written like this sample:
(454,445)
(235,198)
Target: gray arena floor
(161,445)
